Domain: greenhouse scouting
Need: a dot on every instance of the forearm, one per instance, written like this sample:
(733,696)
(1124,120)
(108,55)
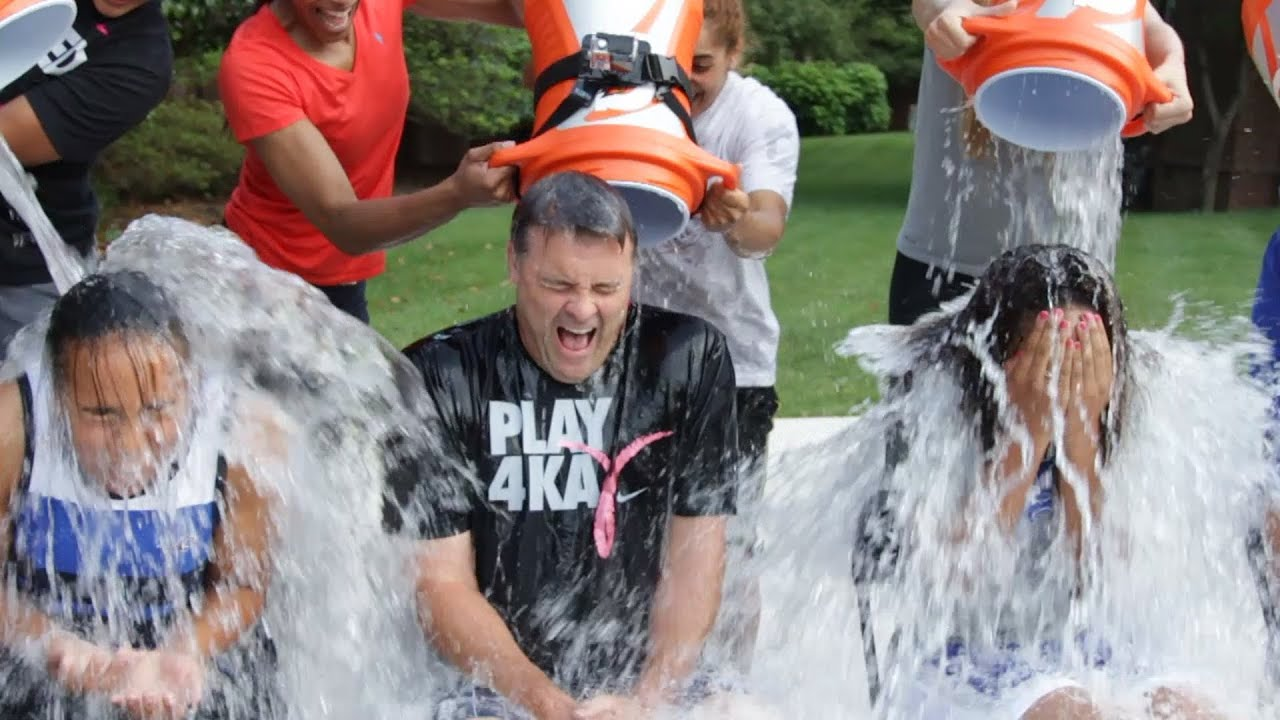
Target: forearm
(1012,478)
(684,611)
(926,11)
(22,624)
(494,12)
(1082,455)
(471,635)
(1164,47)
(364,226)
(221,622)
(756,233)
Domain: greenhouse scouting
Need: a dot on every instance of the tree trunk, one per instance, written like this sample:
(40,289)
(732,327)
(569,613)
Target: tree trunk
(1221,122)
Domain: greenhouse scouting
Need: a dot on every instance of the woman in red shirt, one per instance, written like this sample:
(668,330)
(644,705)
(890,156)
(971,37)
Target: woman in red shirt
(318,91)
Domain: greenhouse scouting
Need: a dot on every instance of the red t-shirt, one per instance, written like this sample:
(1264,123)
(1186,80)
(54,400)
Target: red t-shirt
(268,83)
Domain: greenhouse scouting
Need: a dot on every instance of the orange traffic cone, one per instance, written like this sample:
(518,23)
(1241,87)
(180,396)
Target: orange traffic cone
(1261,20)
(1060,75)
(28,28)
(611,99)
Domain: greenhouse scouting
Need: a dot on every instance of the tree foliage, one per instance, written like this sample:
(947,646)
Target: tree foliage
(468,77)
(830,98)
(842,31)
(200,26)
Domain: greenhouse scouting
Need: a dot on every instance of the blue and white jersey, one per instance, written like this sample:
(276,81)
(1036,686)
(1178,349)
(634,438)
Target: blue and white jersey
(89,558)
(1017,655)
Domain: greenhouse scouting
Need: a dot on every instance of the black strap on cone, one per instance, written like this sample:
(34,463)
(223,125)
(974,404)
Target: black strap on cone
(606,62)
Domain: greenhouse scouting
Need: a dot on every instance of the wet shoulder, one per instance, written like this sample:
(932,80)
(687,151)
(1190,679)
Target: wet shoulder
(12,443)
(457,350)
(259,38)
(667,335)
(760,100)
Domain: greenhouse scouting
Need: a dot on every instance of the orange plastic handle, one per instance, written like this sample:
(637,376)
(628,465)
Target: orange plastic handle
(513,155)
(715,167)
(980,27)
(1156,92)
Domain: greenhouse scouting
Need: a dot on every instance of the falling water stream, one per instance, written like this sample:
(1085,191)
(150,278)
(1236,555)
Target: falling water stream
(1174,585)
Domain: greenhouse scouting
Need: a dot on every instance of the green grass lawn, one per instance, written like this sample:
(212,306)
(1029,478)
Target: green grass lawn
(831,272)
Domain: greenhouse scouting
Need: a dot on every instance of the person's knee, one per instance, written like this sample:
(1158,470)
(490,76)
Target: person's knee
(731,706)
(1166,703)
(1064,704)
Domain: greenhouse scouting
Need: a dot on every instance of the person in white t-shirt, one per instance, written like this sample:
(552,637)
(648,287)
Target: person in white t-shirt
(716,270)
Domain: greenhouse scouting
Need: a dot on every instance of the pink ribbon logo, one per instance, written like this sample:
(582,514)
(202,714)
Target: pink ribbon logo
(606,522)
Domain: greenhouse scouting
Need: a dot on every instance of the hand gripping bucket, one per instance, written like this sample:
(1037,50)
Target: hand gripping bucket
(1261,20)
(28,28)
(611,99)
(1060,75)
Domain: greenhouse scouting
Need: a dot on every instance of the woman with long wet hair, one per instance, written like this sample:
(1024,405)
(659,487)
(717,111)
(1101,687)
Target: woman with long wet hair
(1023,392)
(137,556)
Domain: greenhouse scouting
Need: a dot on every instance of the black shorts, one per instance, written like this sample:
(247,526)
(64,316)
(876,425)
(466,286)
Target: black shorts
(917,288)
(756,408)
(349,298)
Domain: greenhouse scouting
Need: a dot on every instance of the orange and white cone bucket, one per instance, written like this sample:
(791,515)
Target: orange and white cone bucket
(28,28)
(611,100)
(1060,75)
(1261,20)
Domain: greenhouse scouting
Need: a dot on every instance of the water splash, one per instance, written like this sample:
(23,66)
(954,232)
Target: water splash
(1171,589)
(340,599)
(18,189)
(1072,198)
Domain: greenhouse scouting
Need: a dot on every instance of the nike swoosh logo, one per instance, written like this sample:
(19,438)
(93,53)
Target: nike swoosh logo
(609,114)
(628,496)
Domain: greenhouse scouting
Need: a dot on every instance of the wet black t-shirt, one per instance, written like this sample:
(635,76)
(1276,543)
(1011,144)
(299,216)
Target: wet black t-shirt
(96,83)
(529,502)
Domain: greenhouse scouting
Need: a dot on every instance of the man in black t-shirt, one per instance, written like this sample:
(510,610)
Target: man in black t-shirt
(100,80)
(572,527)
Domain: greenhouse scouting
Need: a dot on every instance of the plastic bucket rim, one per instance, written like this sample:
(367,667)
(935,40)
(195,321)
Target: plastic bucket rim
(40,7)
(678,202)
(1105,90)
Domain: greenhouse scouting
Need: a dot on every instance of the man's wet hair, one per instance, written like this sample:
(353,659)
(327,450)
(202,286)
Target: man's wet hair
(576,203)
(123,302)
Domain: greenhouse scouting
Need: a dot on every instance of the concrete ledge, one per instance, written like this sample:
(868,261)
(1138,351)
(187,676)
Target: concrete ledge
(810,646)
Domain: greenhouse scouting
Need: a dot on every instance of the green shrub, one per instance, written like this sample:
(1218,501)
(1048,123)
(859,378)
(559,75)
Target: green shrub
(468,77)
(196,76)
(869,112)
(183,150)
(198,26)
(830,98)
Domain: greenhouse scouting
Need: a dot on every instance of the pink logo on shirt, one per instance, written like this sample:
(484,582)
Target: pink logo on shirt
(606,510)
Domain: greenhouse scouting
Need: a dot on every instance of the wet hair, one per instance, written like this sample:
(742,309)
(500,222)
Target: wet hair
(729,19)
(1016,286)
(123,302)
(572,202)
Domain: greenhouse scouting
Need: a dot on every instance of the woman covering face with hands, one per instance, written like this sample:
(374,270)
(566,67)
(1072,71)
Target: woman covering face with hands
(1014,400)
(1063,366)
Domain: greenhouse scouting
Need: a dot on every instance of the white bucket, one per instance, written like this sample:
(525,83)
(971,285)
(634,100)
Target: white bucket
(624,118)
(1049,109)
(27,31)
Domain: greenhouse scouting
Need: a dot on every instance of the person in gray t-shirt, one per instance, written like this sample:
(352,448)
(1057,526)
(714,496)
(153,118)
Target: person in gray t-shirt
(972,195)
